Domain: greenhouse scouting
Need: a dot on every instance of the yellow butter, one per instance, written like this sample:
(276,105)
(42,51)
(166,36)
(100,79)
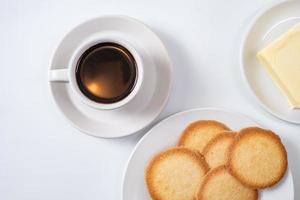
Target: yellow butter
(281,59)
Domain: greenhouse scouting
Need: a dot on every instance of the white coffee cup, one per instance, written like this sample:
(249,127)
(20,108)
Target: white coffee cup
(68,73)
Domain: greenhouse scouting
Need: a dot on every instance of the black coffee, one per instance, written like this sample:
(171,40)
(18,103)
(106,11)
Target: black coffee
(106,73)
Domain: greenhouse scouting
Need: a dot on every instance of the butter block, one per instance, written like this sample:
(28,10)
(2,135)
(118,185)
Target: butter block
(281,59)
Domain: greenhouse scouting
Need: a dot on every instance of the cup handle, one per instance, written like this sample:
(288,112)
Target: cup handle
(58,75)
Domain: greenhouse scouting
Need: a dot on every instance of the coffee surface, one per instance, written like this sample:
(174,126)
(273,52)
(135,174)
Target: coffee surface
(106,73)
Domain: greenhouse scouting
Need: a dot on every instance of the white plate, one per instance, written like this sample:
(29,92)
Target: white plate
(165,135)
(139,113)
(266,27)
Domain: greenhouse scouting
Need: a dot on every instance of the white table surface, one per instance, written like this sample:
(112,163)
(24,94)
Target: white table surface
(44,157)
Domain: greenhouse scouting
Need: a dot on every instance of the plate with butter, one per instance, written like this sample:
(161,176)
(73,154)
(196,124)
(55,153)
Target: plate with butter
(270,60)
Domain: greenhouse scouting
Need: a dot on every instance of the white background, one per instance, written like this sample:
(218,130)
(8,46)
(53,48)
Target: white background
(42,157)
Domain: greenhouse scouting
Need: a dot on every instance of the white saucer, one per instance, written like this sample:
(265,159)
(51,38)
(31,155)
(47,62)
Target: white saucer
(134,116)
(267,26)
(165,135)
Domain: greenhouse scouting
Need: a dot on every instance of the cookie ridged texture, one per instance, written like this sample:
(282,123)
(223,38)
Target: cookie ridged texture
(257,158)
(199,133)
(219,184)
(175,174)
(216,152)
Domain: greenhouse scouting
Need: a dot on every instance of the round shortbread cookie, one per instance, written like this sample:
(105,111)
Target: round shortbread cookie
(175,174)
(257,157)
(199,133)
(219,184)
(216,151)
